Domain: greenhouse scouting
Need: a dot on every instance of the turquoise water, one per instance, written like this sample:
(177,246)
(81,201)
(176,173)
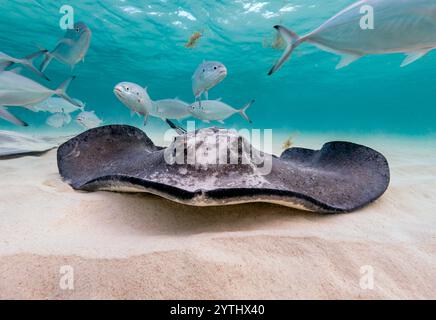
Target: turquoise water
(143,42)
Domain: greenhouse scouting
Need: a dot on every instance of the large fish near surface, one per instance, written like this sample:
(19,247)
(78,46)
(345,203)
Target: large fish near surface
(206,76)
(136,98)
(19,91)
(72,48)
(216,110)
(400,26)
(6,61)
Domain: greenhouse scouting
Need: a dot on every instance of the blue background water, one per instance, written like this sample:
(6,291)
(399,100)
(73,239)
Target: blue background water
(143,42)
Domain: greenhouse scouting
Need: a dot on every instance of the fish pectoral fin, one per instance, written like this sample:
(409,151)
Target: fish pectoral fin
(221,121)
(206,121)
(347,59)
(132,113)
(6,115)
(413,56)
(145,119)
(206,95)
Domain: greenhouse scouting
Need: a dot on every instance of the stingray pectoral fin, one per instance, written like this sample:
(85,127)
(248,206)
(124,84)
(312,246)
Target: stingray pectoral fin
(6,115)
(413,56)
(347,59)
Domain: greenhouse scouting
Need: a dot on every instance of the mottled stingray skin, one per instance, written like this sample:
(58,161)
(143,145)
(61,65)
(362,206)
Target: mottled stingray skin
(341,177)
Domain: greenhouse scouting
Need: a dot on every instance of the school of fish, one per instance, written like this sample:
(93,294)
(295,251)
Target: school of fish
(401,26)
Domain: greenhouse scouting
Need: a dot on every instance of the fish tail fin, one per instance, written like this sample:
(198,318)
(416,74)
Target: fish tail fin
(28,62)
(6,115)
(48,58)
(62,92)
(292,41)
(244,110)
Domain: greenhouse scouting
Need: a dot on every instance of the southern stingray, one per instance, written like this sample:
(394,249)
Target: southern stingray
(341,177)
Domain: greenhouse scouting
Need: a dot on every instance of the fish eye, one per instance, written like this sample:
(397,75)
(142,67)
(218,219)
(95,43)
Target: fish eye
(77,29)
(127,89)
(214,68)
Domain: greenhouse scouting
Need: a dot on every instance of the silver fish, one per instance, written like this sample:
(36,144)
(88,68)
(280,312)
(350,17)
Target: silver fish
(19,91)
(400,26)
(72,48)
(134,97)
(215,110)
(207,76)
(170,109)
(88,120)
(57,105)
(58,120)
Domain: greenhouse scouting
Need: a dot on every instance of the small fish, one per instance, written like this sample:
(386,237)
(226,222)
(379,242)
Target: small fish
(215,110)
(58,120)
(7,61)
(277,43)
(72,48)
(401,26)
(88,120)
(192,42)
(170,109)
(288,143)
(57,105)
(134,97)
(207,76)
(19,91)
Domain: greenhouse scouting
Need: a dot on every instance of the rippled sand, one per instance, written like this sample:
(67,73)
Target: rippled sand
(141,246)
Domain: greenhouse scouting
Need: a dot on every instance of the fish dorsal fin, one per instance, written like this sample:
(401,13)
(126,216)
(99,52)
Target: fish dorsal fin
(347,59)
(413,56)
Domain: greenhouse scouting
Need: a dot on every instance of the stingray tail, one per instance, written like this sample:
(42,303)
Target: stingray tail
(62,92)
(244,110)
(28,62)
(48,58)
(175,127)
(292,41)
(6,115)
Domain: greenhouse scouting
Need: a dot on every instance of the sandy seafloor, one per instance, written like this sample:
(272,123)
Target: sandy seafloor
(139,246)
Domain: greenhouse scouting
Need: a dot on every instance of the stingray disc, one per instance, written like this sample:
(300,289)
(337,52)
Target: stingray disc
(197,170)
